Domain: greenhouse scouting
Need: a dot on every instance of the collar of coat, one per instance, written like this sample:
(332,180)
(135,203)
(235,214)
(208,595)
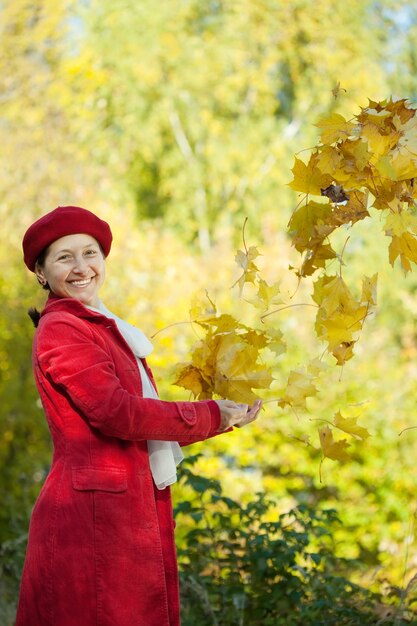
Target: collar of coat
(55,304)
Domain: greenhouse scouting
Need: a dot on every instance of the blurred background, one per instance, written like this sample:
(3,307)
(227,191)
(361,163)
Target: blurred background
(176,120)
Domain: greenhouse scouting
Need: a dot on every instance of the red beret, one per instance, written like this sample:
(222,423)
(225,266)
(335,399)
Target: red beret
(62,221)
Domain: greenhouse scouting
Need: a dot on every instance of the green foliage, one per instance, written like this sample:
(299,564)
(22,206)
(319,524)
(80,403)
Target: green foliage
(247,564)
(12,554)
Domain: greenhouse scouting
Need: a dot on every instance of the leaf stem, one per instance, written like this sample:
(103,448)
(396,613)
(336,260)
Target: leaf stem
(404,429)
(243,235)
(341,256)
(288,306)
(170,326)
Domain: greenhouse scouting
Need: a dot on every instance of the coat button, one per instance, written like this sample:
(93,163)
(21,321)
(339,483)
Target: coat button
(188,413)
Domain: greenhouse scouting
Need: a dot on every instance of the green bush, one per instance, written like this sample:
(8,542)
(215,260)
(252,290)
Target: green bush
(12,554)
(247,565)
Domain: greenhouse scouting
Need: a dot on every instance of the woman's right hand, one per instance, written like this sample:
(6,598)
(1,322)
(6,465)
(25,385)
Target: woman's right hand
(236,414)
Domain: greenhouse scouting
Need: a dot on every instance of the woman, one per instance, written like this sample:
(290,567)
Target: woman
(101,541)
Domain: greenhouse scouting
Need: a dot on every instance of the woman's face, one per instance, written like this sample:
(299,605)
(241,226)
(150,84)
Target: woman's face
(74,267)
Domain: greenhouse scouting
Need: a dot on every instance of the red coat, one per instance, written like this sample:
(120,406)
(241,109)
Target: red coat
(101,542)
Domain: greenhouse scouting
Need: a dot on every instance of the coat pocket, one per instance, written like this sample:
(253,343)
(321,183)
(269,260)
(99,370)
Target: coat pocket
(113,479)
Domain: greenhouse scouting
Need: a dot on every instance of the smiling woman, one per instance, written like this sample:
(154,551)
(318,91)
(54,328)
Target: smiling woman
(101,541)
(74,267)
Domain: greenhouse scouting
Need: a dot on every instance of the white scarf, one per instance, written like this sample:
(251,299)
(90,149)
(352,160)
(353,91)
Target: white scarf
(164,456)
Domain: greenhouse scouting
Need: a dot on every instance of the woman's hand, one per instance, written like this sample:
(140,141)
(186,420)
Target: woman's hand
(236,414)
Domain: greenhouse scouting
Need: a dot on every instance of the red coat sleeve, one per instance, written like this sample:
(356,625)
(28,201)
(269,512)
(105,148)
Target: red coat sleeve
(68,357)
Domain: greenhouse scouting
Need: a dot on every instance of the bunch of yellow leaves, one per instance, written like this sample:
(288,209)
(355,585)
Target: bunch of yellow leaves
(227,361)
(340,317)
(370,160)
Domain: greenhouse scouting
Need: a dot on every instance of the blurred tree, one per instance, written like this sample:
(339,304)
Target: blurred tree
(202,103)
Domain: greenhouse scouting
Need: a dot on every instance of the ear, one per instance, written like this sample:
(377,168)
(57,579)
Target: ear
(40,275)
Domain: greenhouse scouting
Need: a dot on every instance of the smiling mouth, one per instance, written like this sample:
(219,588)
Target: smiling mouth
(81,283)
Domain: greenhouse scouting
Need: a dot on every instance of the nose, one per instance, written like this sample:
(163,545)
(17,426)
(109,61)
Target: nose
(80,265)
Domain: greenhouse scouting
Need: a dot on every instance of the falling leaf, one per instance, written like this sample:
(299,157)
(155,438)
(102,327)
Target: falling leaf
(404,247)
(349,425)
(316,367)
(245,260)
(316,258)
(336,450)
(343,352)
(276,342)
(336,91)
(369,290)
(299,387)
(266,295)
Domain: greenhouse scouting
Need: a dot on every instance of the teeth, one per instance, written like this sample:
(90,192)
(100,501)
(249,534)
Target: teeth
(80,283)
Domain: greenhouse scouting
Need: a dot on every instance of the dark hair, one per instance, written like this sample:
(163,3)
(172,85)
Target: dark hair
(34,315)
(33,312)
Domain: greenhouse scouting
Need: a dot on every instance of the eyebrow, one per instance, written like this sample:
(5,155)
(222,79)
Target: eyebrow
(88,245)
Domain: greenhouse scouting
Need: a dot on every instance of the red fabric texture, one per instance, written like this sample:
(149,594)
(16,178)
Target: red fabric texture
(62,221)
(101,546)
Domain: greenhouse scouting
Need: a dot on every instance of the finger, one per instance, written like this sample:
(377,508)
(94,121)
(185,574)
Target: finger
(251,415)
(254,410)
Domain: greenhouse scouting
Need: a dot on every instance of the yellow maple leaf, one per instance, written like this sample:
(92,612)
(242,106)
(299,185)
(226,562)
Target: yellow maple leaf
(204,313)
(332,294)
(341,327)
(334,128)
(305,222)
(245,260)
(405,247)
(309,178)
(336,450)
(379,144)
(266,295)
(189,377)
(336,91)
(401,109)
(403,163)
(343,352)
(349,425)
(376,115)
(408,139)
(276,342)
(399,222)
(340,317)
(328,159)
(299,387)
(354,211)
(369,290)
(316,366)
(356,154)
(237,370)
(316,258)
(202,308)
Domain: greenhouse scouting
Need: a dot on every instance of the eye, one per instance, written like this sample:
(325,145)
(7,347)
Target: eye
(91,252)
(63,257)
